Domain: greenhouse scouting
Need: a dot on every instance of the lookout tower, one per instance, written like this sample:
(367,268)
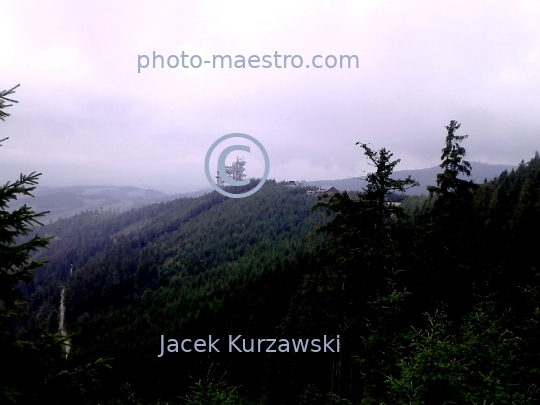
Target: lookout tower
(235,172)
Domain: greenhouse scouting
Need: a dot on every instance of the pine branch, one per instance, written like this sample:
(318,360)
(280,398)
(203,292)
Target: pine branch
(3,104)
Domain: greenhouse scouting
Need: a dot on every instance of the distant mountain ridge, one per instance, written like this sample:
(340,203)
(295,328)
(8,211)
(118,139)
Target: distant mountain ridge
(426,177)
(68,201)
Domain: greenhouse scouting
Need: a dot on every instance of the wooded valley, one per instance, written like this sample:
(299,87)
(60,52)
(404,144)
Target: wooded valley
(435,301)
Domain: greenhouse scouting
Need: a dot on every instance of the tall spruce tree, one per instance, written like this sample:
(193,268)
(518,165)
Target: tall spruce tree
(451,231)
(15,262)
(365,250)
(37,371)
(363,221)
(453,165)
(16,266)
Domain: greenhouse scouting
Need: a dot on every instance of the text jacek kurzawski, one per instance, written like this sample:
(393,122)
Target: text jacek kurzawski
(238,344)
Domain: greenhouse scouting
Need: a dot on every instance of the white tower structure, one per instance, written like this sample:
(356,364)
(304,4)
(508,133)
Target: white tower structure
(235,172)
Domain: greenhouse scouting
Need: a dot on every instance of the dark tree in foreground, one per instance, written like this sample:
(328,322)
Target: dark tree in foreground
(368,216)
(364,251)
(453,165)
(15,263)
(445,273)
(380,184)
(35,369)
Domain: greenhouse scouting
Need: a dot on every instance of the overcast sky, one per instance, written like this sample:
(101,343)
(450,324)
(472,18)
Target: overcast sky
(86,116)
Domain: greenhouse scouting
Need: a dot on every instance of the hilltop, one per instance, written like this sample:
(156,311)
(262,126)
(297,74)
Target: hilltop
(425,177)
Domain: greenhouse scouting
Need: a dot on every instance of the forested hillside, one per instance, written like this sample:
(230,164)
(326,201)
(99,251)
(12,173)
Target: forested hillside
(186,268)
(436,301)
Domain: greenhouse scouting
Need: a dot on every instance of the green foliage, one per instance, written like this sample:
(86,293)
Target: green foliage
(15,263)
(436,300)
(211,392)
(480,364)
(382,343)
(310,396)
(46,372)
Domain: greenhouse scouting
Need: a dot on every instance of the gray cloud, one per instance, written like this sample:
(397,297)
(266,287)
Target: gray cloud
(86,116)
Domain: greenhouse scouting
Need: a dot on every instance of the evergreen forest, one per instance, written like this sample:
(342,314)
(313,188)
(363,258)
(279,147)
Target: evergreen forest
(435,300)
